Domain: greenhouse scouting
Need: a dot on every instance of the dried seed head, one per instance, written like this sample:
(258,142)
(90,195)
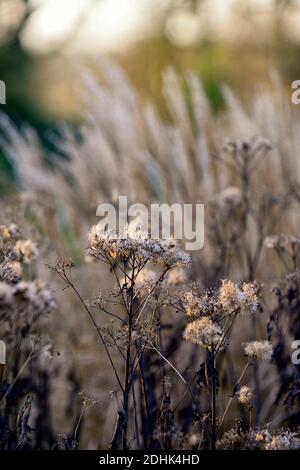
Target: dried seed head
(133,243)
(35,294)
(230,199)
(25,251)
(9,232)
(192,304)
(248,298)
(203,332)
(229,296)
(235,299)
(175,276)
(244,395)
(284,441)
(281,242)
(260,349)
(145,281)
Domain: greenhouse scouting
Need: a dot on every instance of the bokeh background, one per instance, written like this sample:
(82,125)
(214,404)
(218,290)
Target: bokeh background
(232,41)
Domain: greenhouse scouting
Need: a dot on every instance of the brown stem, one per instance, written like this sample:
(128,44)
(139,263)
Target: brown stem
(98,331)
(128,368)
(232,396)
(213,402)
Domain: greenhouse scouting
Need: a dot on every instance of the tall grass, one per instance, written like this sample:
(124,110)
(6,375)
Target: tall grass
(199,358)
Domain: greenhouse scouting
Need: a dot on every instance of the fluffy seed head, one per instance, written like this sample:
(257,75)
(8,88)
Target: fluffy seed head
(134,243)
(244,395)
(284,441)
(229,199)
(235,299)
(229,296)
(9,232)
(260,349)
(281,242)
(192,304)
(203,332)
(145,281)
(26,251)
(175,276)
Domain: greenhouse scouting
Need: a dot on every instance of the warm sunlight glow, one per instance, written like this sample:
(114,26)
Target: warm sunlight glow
(89,26)
(51,23)
(102,25)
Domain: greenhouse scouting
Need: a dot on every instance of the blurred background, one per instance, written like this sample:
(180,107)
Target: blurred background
(233,41)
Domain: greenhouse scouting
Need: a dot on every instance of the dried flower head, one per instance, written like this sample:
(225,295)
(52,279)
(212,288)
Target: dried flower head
(25,251)
(247,149)
(229,296)
(191,304)
(145,281)
(135,244)
(244,395)
(230,199)
(248,298)
(9,232)
(204,332)
(260,349)
(262,436)
(284,441)
(281,242)
(35,294)
(235,299)
(175,277)
(194,439)
(87,401)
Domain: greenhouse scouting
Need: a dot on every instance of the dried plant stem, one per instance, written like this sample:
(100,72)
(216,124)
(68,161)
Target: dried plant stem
(168,362)
(136,424)
(73,287)
(232,396)
(213,401)
(148,437)
(78,423)
(30,356)
(128,368)
(127,384)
